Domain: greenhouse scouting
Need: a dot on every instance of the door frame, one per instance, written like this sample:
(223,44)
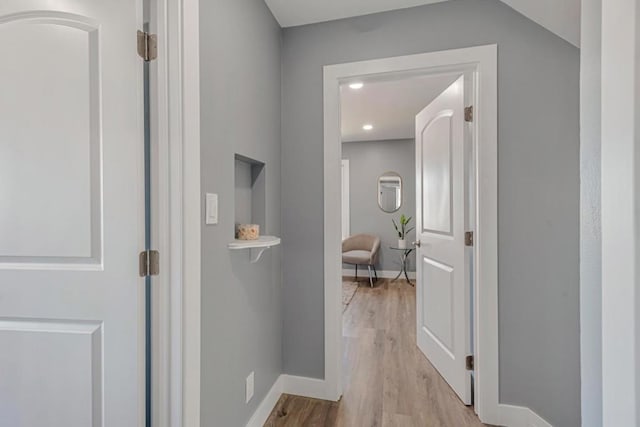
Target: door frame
(620,167)
(483,60)
(345,211)
(175,212)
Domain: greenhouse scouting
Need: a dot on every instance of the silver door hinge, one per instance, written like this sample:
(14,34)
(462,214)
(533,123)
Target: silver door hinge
(468,362)
(468,114)
(147,46)
(468,238)
(149,263)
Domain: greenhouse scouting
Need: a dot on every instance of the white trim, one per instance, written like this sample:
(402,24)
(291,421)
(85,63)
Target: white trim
(484,61)
(620,206)
(345,195)
(307,387)
(175,88)
(519,416)
(191,224)
(289,384)
(507,415)
(261,415)
(383,274)
(161,405)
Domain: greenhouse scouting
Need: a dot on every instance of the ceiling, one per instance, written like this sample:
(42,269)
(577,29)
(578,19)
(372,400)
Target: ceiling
(299,12)
(389,106)
(561,17)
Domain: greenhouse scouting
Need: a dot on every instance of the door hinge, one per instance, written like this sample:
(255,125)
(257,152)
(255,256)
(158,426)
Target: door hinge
(149,263)
(468,114)
(468,238)
(147,46)
(468,362)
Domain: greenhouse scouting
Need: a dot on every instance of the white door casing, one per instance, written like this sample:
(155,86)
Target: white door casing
(72,214)
(482,62)
(442,283)
(620,173)
(346,214)
(176,218)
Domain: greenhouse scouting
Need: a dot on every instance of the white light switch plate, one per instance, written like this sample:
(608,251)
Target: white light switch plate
(249,387)
(211,210)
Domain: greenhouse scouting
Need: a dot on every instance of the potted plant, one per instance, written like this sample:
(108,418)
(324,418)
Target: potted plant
(402,230)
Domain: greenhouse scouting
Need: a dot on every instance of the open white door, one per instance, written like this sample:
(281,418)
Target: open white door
(442,290)
(71,214)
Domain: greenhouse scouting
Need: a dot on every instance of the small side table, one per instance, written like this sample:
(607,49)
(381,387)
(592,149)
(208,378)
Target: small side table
(404,256)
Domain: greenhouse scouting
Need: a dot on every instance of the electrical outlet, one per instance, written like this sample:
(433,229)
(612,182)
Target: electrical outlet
(249,386)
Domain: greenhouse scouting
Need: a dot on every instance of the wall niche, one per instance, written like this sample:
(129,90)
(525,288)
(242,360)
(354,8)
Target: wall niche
(250,205)
(250,192)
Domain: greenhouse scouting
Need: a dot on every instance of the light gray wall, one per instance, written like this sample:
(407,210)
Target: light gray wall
(240,46)
(538,162)
(590,225)
(367,161)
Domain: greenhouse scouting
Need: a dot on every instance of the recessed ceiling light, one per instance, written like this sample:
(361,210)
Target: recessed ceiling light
(356,85)
(367,127)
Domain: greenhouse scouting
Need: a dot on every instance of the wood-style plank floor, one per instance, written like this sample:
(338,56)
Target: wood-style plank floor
(387,381)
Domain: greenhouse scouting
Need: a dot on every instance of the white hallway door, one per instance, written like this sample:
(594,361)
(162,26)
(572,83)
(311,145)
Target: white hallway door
(442,290)
(71,214)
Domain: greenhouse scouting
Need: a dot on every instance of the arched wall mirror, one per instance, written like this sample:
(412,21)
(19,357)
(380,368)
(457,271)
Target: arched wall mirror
(389,192)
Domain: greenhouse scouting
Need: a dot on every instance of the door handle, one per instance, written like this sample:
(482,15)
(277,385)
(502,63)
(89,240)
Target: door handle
(417,243)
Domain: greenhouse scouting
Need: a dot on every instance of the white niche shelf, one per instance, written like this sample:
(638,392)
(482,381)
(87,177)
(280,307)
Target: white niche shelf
(257,247)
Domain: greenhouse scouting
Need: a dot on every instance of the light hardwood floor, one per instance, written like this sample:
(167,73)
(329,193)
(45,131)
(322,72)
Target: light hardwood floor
(387,380)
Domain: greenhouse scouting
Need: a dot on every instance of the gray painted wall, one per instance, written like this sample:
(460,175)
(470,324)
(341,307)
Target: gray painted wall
(367,161)
(538,186)
(241,302)
(590,224)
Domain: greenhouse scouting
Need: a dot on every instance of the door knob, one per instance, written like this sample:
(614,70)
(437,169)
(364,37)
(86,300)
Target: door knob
(417,243)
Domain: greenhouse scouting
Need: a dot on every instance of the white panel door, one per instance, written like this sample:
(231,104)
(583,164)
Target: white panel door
(442,290)
(71,214)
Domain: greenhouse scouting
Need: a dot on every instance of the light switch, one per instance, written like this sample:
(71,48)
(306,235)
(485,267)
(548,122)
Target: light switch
(249,387)
(211,210)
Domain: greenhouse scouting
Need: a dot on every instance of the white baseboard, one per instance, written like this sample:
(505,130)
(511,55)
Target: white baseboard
(520,416)
(268,403)
(385,274)
(289,384)
(307,387)
(510,415)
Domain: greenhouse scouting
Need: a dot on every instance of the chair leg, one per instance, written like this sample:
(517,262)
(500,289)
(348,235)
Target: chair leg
(370,277)
(375,272)
(356,272)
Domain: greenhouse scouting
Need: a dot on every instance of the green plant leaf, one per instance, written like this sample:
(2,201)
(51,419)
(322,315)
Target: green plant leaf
(396,227)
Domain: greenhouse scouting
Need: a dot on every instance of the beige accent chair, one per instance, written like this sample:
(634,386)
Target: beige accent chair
(361,249)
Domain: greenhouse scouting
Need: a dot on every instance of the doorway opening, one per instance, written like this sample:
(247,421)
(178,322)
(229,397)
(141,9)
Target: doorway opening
(440,220)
